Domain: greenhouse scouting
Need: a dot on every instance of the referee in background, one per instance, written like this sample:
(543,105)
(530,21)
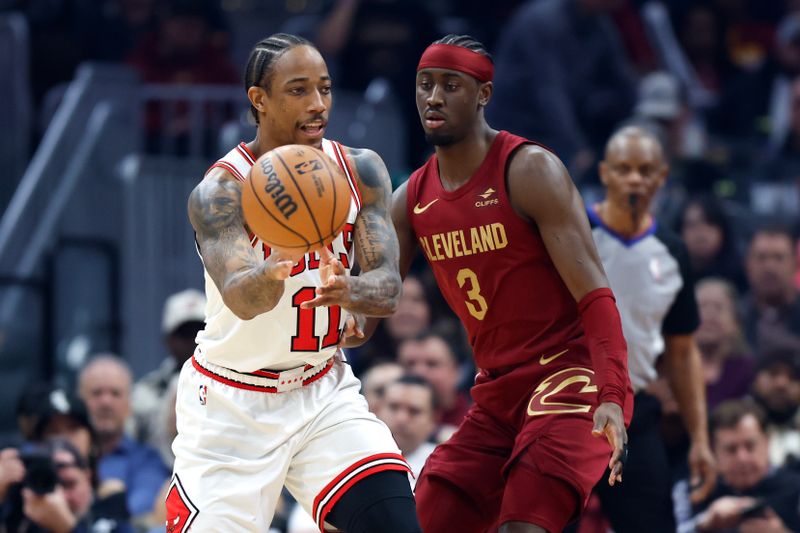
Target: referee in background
(648,269)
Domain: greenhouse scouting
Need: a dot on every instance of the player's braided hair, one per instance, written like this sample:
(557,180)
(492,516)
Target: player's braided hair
(465,41)
(262,58)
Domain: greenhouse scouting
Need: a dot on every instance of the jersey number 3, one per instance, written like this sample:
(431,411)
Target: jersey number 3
(476,303)
(305,340)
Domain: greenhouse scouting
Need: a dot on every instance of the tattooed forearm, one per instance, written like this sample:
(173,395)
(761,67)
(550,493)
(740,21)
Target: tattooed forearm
(242,277)
(376,291)
(374,240)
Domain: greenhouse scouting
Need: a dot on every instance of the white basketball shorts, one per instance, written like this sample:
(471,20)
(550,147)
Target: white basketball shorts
(239,442)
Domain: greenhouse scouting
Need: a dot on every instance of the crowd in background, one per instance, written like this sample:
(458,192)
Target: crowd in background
(718,81)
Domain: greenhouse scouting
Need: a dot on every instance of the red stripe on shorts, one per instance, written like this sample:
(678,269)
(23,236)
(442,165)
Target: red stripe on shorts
(334,490)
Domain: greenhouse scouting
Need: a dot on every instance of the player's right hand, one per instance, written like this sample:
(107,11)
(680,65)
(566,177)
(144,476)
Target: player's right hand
(608,421)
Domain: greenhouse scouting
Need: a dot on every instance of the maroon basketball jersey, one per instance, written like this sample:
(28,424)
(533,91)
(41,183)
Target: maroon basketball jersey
(492,266)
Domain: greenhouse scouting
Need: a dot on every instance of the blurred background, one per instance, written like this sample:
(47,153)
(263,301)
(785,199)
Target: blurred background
(112,110)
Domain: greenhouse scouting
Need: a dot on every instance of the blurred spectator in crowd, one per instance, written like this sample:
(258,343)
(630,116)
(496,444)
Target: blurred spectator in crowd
(562,78)
(784,164)
(60,414)
(772,309)
(776,388)
(750,496)
(661,108)
(105,386)
(183,316)
(701,34)
(485,24)
(413,317)
(166,428)
(707,231)
(431,357)
(181,48)
(180,51)
(759,103)
(50,489)
(797,267)
(29,406)
(371,39)
(409,409)
(117,28)
(374,381)
(727,362)
(749,32)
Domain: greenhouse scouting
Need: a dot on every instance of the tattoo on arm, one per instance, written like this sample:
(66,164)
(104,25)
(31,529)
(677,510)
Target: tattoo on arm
(237,270)
(377,289)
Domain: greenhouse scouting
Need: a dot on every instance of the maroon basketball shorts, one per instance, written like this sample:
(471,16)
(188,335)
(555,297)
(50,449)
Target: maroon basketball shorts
(525,452)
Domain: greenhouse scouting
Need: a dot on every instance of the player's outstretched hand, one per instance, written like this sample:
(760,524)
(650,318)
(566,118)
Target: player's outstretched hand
(703,470)
(609,422)
(335,288)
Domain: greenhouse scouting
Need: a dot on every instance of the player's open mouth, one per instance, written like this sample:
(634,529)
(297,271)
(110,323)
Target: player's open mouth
(433,120)
(313,129)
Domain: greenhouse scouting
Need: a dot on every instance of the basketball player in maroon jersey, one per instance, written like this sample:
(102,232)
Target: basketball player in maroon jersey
(506,234)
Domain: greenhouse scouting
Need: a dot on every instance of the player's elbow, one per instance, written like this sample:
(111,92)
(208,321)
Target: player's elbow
(241,312)
(242,309)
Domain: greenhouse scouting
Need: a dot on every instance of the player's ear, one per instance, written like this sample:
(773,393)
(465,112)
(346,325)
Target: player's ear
(603,171)
(485,93)
(257,97)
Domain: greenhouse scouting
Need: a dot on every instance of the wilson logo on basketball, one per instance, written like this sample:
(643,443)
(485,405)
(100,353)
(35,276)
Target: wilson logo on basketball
(275,189)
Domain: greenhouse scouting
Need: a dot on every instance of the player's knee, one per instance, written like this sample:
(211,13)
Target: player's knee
(380,502)
(392,515)
(442,506)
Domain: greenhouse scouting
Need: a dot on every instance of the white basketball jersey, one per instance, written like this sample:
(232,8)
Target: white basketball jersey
(287,336)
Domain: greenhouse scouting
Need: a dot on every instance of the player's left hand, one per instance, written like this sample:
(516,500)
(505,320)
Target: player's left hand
(703,470)
(353,327)
(335,288)
(608,421)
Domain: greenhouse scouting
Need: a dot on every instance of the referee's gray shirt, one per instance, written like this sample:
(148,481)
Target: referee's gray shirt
(652,282)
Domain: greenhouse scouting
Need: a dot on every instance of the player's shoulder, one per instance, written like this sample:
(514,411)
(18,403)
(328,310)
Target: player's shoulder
(531,156)
(218,192)
(367,166)
(533,165)
(216,180)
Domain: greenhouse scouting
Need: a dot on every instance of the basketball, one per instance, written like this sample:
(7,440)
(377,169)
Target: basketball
(296,199)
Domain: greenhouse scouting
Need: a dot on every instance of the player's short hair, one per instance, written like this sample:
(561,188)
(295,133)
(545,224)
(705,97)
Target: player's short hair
(262,60)
(634,130)
(730,413)
(465,41)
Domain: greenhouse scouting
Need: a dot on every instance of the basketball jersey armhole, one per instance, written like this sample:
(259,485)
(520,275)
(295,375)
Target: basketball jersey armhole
(342,160)
(411,195)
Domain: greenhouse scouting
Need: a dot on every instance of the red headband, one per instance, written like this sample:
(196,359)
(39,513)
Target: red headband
(458,58)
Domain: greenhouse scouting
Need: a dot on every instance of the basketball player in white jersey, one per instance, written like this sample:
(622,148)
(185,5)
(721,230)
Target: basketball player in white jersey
(266,400)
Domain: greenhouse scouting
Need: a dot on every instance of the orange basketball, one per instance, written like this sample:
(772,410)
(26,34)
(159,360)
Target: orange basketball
(296,198)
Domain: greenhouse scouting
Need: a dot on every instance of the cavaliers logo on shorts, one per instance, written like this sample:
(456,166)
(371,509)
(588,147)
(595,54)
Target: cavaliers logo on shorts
(181,512)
